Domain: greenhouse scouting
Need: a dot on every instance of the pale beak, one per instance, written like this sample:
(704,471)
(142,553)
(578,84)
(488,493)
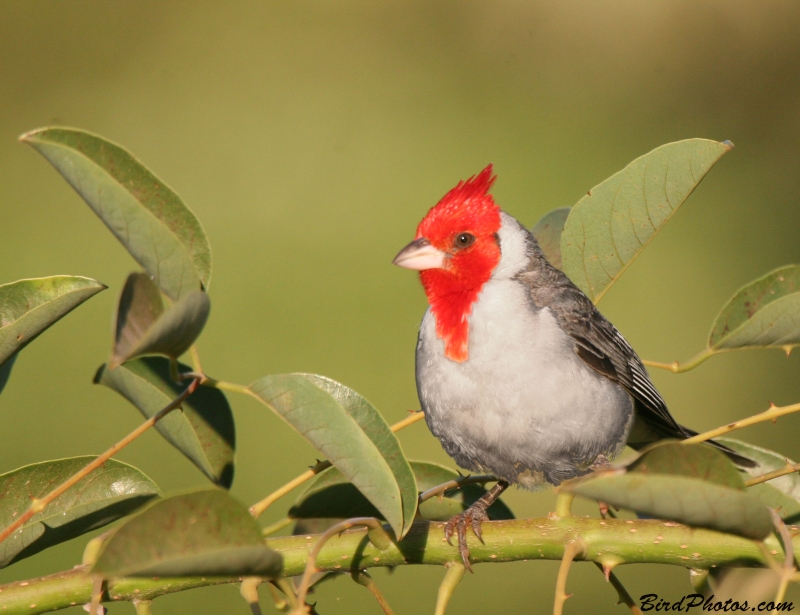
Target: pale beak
(420,255)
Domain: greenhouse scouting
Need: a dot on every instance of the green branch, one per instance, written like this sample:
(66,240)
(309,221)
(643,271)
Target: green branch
(610,543)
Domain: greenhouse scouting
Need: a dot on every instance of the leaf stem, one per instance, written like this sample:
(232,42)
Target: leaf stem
(455,572)
(194,355)
(258,508)
(39,504)
(677,368)
(363,578)
(174,371)
(770,414)
(221,384)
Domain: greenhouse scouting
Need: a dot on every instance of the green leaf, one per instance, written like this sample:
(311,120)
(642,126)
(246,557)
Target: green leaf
(112,491)
(787,508)
(332,496)
(761,314)
(205,533)
(693,460)
(5,371)
(28,307)
(373,424)
(691,501)
(204,431)
(144,328)
(766,461)
(782,493)
(147,217)
(699,472)
(548,232)
(351,434)
(611,225)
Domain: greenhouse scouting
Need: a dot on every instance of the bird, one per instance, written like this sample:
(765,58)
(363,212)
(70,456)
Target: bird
(518,374)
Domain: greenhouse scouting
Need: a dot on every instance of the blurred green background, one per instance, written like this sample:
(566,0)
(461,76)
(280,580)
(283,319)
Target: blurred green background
(311,137)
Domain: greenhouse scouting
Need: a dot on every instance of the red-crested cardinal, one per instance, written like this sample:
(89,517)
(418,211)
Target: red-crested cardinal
(518,374)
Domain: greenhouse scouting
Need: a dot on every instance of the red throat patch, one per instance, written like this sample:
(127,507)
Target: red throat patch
(452,290)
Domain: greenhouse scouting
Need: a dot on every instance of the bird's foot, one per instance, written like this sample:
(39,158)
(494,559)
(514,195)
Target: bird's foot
(473,517)
(600,464)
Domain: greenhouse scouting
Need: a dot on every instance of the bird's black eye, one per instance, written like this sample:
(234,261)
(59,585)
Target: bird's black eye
(464,239)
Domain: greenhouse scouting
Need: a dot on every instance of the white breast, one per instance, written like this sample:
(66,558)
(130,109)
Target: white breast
(524,406)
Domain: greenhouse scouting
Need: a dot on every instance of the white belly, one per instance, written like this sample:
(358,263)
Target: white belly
(524,406)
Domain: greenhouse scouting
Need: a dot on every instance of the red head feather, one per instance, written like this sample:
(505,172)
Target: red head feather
(466,209)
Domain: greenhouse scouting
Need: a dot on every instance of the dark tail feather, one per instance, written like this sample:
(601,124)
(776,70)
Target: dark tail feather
(653,432)
(739,460)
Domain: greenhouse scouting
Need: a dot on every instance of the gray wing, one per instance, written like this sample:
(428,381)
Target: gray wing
(602,348)
(605,350)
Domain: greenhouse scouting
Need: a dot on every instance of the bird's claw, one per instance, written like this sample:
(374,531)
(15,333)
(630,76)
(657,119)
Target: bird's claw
(473,517)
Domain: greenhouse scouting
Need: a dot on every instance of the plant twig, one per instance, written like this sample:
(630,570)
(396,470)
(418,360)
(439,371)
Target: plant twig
(455,572)
(786,539)
(787,572)
(281,603)
(143,607)
(277,526)
(363,578)
(413,417)
(624,596)
(654,541)
(258,508)
(456,483)
(39,504)
(705,354)
(311,568)
(571,549)
(287,587)
(770,414)
(97,596)
(678,368)
(564,504)
(789,468)
(249,591)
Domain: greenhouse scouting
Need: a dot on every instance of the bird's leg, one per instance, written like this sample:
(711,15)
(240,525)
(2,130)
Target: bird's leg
(473,517)
(600,464)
